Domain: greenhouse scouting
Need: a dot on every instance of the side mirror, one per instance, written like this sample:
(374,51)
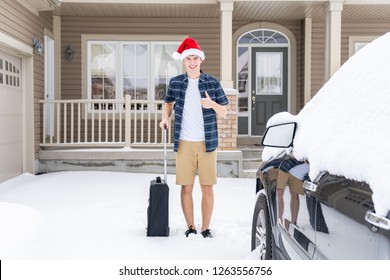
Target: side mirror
(280,135)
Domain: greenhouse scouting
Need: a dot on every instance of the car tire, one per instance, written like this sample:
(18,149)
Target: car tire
(261,229)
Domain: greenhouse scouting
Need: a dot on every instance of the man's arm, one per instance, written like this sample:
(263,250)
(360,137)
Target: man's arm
(208,103)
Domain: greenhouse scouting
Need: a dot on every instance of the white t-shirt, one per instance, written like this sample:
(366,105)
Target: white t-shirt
(192,124)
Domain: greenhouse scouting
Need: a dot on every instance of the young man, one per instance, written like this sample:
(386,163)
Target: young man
(198,98)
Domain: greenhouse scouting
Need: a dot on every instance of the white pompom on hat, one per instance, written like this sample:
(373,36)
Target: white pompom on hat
(188,47)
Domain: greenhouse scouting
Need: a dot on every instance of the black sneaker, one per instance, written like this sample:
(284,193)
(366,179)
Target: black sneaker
(207,233)
(190,230)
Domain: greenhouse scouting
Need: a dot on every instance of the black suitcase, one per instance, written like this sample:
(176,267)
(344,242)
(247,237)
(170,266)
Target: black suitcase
(158,209)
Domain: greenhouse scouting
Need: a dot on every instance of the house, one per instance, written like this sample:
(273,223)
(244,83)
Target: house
(81,81)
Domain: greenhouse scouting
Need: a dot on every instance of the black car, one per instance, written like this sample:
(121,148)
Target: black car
(330,217)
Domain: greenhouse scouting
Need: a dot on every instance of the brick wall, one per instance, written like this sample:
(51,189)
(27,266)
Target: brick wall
(227,128)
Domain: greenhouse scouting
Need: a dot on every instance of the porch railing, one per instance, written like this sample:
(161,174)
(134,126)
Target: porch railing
(102,123)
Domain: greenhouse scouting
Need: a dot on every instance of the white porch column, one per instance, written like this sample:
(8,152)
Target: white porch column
(226,43)
(333,11)
(57,56)
(308,59)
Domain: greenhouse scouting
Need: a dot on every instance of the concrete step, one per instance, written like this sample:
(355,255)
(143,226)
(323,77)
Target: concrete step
(249,140)
(249,173)
(251,153)
(128,160)
(253,163)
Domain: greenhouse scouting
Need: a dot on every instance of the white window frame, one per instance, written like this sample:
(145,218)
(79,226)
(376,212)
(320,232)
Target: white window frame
(151,93)
(151,40)
(118,66)
(357,42)
(119,60)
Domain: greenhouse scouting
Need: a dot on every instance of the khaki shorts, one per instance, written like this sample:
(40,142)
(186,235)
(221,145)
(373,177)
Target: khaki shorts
(192,159)
(293,182)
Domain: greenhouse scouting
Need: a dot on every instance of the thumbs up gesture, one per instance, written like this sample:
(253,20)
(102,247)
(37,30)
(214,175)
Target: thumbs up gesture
(207,102)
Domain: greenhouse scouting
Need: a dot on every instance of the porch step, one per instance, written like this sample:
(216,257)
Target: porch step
(127,160)
(251,155)
(248,173)
(251,161)
(243,162)
(249,141)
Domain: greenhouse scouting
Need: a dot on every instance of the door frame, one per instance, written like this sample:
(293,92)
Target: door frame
(292,61)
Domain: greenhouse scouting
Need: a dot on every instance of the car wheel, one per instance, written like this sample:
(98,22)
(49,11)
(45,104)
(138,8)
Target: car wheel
(261,229)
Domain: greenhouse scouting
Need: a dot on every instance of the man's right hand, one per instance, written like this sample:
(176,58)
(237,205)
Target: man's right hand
(164,124)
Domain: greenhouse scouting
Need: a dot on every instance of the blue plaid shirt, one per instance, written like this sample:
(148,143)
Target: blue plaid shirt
(176,93)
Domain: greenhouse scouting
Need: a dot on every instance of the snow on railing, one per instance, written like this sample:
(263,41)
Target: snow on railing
(102,123)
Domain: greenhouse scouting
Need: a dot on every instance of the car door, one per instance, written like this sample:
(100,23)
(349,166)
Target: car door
(296,238)
(342,232)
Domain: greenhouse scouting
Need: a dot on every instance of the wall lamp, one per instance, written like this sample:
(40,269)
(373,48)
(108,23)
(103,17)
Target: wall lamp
(69,53)
(38,46)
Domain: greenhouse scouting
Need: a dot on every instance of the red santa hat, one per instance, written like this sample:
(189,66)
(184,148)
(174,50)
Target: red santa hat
(188,47)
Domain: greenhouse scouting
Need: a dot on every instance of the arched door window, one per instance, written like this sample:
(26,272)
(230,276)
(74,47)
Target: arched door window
(263,36)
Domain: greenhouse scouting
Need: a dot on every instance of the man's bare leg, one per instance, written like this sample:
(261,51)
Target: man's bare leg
(207,205)
(294,206)
(280,194)
(187,204)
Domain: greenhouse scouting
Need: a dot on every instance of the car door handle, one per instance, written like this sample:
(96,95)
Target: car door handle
(309,186)
(377,221)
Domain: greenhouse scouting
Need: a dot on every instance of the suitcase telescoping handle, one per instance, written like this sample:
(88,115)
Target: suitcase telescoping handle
(165,151)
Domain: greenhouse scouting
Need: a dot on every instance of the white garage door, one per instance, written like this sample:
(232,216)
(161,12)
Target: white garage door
(11,138)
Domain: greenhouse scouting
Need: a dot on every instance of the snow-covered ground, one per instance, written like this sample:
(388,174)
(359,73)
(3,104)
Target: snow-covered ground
(102,215)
